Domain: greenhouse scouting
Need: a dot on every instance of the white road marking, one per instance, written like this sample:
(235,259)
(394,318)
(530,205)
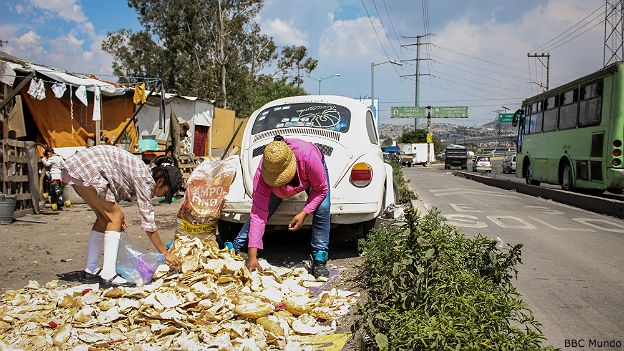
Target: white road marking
(475,192)
(466,221)
(543,209)
(464,208)
(588,221)
(524,224)
(562,229)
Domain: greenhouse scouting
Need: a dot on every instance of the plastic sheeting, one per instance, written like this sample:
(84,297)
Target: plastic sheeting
(193,111)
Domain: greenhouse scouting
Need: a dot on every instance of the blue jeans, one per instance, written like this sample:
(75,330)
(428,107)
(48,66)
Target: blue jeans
(320,223)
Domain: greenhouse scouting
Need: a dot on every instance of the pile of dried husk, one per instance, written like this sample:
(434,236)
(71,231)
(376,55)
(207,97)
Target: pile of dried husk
(212,303)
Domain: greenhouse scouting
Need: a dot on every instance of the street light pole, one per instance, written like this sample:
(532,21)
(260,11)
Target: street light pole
(394,62)
(319,80)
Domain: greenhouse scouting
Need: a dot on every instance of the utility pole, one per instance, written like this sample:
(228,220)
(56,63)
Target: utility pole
(417,72)
(613,50)
(547,65)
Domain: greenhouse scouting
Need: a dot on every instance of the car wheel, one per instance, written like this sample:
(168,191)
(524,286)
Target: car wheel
(566,177)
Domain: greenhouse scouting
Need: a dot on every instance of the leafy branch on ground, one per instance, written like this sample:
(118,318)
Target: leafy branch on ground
(401,188)
(432,288)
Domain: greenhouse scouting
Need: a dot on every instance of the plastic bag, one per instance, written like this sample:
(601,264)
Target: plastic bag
(205,193)
(134,265)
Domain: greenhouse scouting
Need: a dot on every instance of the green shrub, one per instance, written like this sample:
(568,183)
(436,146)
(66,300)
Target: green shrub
(433,288)
(404,193)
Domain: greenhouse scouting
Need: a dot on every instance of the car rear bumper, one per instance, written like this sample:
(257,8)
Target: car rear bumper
(483,168)
(341,213)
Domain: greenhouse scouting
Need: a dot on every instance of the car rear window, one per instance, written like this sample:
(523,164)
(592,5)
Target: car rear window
(316,115)
(481,158)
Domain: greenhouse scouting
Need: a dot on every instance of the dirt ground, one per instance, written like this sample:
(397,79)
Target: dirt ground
(40,252)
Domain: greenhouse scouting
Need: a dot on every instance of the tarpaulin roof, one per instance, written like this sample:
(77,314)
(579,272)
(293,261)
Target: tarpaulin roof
(13,63)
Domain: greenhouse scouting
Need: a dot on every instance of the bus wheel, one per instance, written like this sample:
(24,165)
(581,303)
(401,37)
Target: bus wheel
(566,177)
(528,175)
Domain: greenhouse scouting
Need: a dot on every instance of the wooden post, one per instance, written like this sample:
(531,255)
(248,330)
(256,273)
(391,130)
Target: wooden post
(33,179)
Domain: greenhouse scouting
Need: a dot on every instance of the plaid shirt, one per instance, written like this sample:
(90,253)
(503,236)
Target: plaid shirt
(115,175)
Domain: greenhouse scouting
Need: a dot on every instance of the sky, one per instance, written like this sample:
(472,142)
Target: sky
(476,55)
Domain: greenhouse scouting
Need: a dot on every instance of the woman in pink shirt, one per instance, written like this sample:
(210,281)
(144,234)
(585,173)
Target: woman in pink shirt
(288,167)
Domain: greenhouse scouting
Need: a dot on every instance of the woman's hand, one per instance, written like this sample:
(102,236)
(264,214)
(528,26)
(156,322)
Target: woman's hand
(172,258)
(297,221)
(253,264)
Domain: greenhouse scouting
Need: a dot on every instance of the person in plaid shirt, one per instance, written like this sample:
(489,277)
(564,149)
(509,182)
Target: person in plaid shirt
(104,175)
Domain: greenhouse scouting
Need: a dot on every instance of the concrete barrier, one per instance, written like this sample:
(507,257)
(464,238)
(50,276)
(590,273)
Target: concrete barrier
(597,204)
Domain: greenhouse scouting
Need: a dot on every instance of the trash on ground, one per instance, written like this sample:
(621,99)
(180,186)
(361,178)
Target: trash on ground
(211,303)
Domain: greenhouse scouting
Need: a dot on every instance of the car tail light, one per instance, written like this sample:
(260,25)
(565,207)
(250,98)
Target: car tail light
(361,174)
(617,152)
(617,143)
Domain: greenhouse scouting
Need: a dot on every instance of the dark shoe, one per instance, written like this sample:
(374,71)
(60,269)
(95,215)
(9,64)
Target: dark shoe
(87,277)
(319,264)
(108,283)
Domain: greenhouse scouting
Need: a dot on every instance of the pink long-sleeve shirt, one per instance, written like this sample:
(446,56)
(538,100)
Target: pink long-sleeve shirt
(311,174)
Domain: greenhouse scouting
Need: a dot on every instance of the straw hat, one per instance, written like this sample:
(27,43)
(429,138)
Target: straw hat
(279,164)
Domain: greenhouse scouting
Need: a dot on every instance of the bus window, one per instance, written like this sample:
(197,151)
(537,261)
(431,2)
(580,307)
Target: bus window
(551,114)
(527,120)
(591,104)
(536,120)
(568,112)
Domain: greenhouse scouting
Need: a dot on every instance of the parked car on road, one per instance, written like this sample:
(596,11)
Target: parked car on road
(361,184)
(482,163)
(509,164)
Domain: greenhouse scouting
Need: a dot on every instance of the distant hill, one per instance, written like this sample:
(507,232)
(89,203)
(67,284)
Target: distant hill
(448,131)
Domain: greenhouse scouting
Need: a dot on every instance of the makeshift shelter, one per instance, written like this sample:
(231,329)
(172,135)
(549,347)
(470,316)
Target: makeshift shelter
(197,113)
(61,105)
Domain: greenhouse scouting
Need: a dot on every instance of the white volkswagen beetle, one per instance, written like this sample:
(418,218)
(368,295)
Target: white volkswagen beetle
(361,185)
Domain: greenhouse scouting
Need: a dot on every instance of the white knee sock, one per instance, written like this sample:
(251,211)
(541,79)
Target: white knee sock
(111,244)
(93,251)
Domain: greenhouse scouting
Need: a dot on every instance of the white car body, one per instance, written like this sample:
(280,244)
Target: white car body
(342,150)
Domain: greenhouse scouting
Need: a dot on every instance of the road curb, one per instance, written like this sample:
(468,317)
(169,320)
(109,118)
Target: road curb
(587,202)
(417,204)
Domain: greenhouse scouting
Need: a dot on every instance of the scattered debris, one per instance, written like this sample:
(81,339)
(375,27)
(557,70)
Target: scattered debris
(212,303)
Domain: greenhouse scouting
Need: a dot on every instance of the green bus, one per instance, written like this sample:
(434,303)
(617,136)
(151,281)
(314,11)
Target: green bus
(572,135)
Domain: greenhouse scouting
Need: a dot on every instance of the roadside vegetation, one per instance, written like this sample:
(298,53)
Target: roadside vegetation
(401,188)
(430,287)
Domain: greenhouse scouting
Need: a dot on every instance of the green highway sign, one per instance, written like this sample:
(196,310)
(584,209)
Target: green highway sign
(408,112)
(436,112)
(449,112)
(505,117)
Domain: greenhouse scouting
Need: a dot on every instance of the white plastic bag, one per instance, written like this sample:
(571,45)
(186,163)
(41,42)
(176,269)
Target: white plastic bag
(134,265)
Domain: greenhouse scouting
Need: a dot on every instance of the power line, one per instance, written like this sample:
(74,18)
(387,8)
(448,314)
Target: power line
(563,39)
(481,76)
(476,82)
(583,32)
(461,100)
(453,90)
(378,38)
(505,74)
(391,21)
(541,47)
(384,30)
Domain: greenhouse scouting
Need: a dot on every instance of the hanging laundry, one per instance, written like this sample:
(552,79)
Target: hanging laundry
(96,104)
(37,89)
(81,94)
(139,94)
(59,89)
(7,74)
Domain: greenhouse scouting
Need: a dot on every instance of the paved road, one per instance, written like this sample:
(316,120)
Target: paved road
(572,275)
